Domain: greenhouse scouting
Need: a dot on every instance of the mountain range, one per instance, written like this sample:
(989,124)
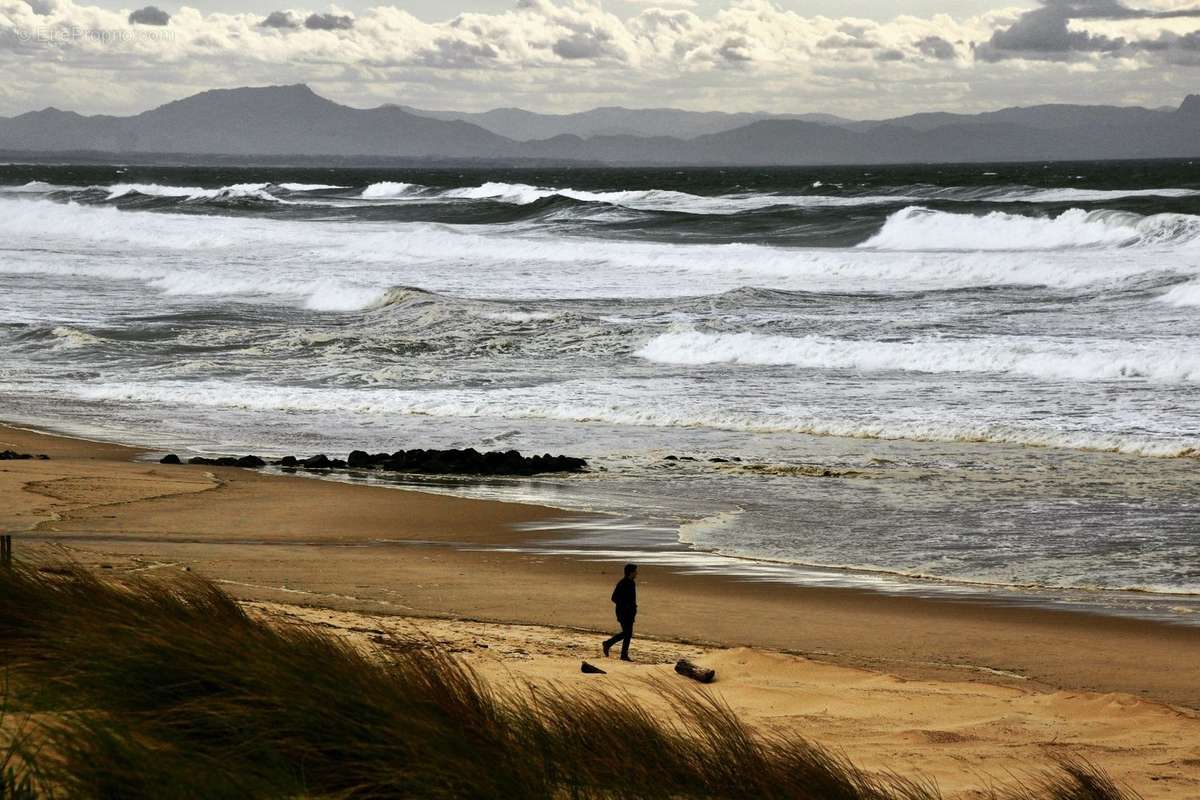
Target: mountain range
(293,121)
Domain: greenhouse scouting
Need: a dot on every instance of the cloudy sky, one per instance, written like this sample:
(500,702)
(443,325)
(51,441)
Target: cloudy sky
(858,58)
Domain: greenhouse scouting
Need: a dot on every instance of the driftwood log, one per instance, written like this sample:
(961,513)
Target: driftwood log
(696,673)
(591,670)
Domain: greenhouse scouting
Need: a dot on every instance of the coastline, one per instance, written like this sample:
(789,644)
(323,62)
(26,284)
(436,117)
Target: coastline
(358,558)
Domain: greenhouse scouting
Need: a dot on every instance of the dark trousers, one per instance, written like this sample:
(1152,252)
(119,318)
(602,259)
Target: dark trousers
(623,637)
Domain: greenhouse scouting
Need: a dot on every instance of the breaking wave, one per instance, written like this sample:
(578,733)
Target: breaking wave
(240,191)
(292,254)
(763,208)
(309,187)
(1185,294)
(919,228)
(1078,360)
(725,204)
(390,189)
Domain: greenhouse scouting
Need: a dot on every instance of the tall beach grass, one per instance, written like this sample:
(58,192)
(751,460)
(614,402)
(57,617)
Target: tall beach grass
(165,688)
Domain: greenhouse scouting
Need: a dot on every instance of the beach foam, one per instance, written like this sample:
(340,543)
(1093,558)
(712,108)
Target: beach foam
(1082,360)
(918,228)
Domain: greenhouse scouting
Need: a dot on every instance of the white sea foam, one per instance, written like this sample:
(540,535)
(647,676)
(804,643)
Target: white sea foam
(68,338)
(918,228)
(256,191)
(279,255)
(661,199)
(645,199)
(308,187)
(670,200)
(610,403)
(1076,359)
(520,316)
(390,189)
(320,294)
(36,187)
(1185,294)
(1068,195)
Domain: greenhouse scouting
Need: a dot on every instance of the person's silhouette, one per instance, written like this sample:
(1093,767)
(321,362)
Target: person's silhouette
(624,597)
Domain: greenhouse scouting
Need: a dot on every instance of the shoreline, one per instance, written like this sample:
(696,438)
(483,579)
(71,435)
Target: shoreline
(674,552)
(275,533)
(952,689)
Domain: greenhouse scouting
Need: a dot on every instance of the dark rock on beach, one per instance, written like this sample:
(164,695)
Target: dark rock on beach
(466,462)
(358,459)
(428,462)
(223,461)
(170,458)
(10,455)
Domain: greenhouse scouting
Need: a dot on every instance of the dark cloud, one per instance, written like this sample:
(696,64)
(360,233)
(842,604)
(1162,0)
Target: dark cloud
(280,19)
(43,8)
(150,15)
(1045,33)
(457,54)
(736,49)
(936,47)
(1113,9)
(328,22)
(1178,49)
(889,55)
(581,45)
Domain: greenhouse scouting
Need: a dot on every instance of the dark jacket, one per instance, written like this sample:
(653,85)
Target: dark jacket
(625,598)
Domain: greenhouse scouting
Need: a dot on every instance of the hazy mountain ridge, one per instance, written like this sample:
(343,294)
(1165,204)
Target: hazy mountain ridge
(521,125)
(293,120)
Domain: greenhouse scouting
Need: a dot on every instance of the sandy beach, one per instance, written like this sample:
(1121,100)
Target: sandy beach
(960,691)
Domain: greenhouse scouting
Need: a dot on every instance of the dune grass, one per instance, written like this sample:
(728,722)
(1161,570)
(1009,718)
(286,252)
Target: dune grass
(165,688)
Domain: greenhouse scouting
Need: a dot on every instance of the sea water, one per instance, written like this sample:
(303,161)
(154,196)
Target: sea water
(982,376)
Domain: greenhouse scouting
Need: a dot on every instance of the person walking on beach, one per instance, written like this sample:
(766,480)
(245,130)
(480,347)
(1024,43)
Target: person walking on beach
(624,597)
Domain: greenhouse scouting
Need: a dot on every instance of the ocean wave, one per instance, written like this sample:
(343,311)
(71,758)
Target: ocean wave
(649,200)
(432,313)
(727,204)
(309,187)
(1185,294)
(68,338)
(291,253)
(1078,360)
(1070,195)
(39,187)
(919,228)
(580,401)
(321,294)
(240,191)
(390,190)
(646,199)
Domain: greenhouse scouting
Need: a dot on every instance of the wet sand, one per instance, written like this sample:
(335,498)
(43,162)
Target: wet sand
(953,689)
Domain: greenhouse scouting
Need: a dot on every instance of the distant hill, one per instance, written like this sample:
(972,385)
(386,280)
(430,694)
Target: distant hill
(274,120)
(277,121)
(523,126)
(1048,117)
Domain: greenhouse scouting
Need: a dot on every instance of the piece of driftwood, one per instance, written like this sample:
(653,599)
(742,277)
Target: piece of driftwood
(591,670)
(696,673)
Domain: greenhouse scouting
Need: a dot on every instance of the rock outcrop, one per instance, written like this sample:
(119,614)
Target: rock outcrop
(425,462)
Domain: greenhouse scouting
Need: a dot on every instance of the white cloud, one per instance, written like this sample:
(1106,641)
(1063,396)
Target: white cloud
(571,54)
